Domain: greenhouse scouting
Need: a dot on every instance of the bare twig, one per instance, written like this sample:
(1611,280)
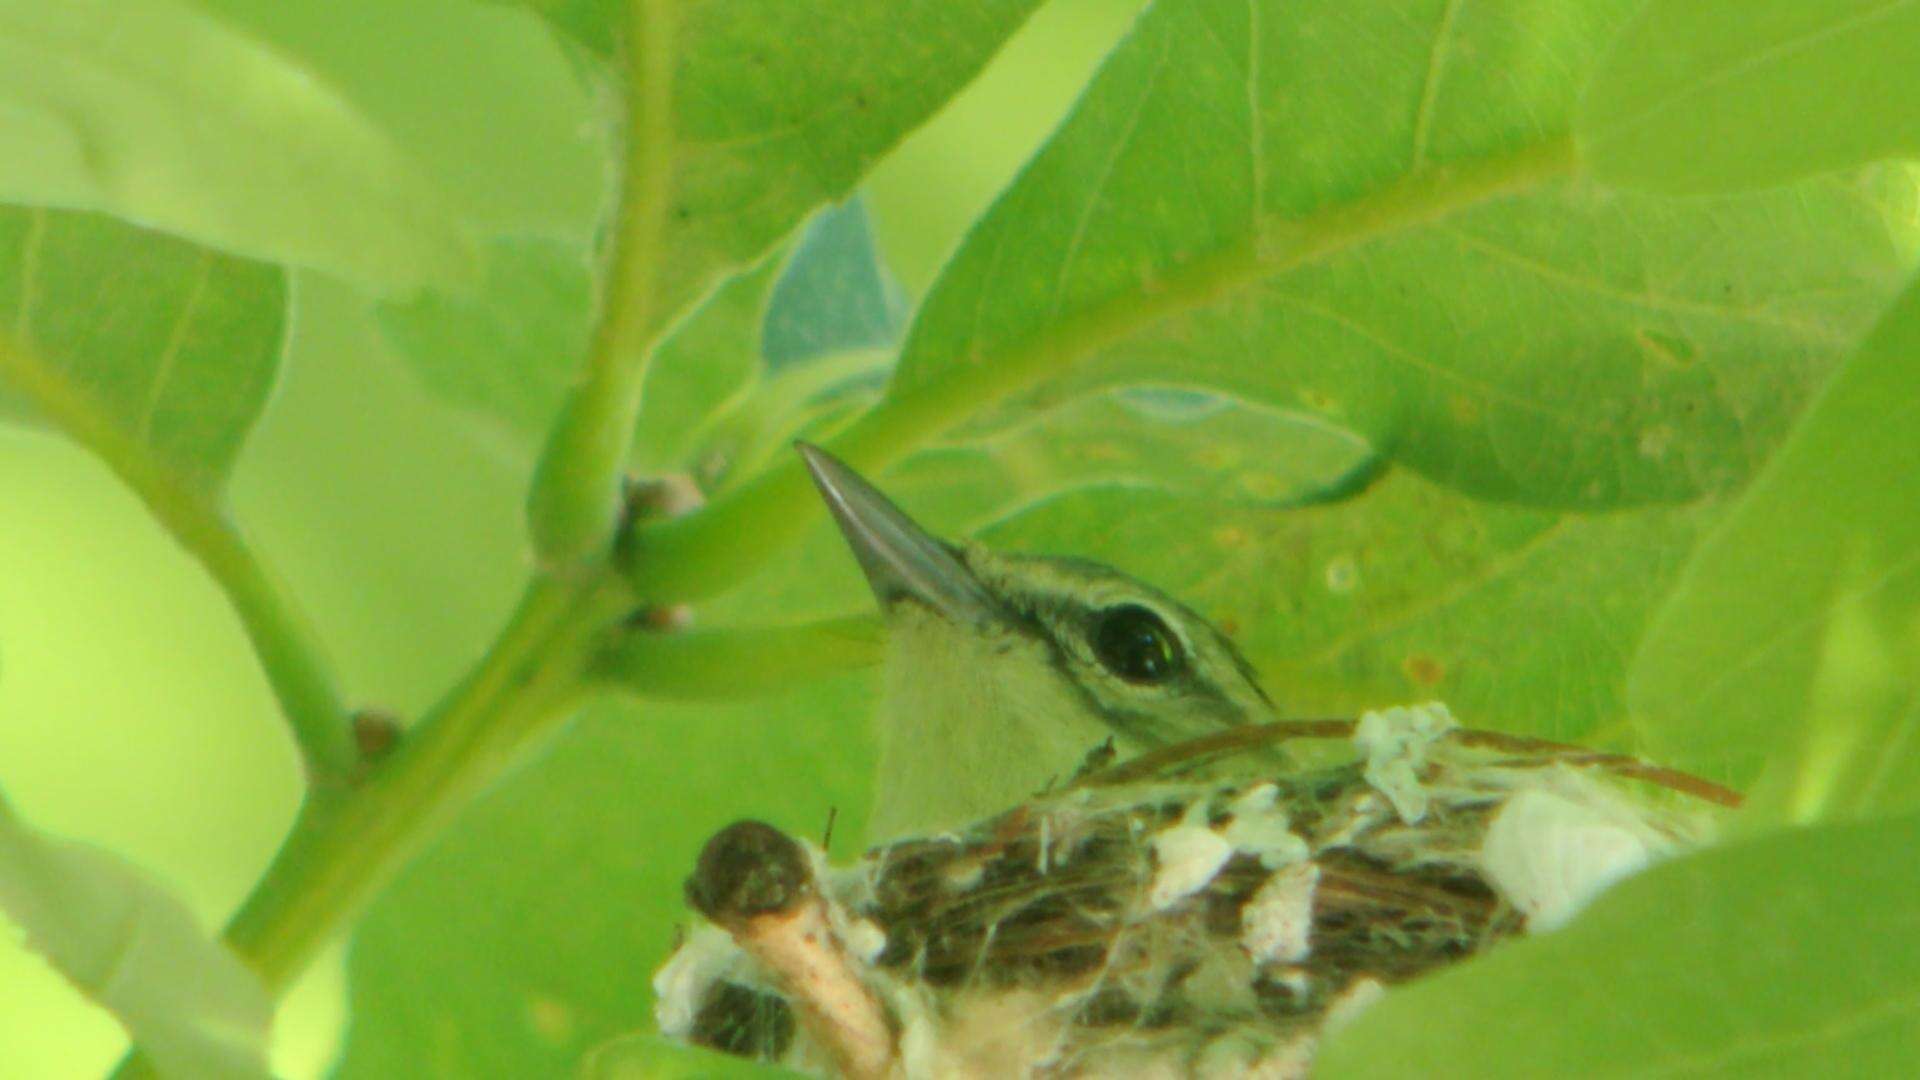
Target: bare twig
(756,883)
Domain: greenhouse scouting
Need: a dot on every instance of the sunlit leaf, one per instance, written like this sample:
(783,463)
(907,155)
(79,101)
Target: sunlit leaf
(154,353)
(1773,958)
(1726,671)
(128,944)
(1370,212)
(1705,95)
(166,113)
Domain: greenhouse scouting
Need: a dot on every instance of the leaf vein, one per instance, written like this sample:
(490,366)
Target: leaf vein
(169,358)
(1430,89)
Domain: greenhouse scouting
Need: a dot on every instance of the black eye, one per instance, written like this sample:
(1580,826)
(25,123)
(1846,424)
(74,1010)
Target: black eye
(1135,644)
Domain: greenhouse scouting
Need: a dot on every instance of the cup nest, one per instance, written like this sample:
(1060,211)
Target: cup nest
(1202,910)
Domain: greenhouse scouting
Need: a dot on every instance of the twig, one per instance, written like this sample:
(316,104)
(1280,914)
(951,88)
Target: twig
(755,882)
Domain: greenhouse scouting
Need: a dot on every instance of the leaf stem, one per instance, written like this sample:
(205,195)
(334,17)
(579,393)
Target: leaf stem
(573,507)
(282,638)
(344,848)
(696,556)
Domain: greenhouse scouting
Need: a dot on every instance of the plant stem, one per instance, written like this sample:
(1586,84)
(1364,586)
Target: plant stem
(692,557)
(573,507)
(288,650)
(344,848)
(347,844)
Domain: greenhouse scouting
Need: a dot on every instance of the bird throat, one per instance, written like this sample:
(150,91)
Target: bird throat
(971,723)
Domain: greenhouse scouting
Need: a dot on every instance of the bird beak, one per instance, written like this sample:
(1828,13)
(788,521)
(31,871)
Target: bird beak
(902,561)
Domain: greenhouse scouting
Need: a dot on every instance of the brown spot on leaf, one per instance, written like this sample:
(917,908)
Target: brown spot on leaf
(1424,670)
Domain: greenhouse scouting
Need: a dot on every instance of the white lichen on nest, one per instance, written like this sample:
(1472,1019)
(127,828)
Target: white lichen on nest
(1395,744)
(1201,920)
(1187,856)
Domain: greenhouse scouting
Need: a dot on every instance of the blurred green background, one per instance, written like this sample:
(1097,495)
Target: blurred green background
(131,712)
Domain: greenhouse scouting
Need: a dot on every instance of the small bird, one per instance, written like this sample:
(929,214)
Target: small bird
(1004,672)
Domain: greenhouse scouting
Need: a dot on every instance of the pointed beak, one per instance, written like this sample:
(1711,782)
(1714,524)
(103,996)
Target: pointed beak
(902,561)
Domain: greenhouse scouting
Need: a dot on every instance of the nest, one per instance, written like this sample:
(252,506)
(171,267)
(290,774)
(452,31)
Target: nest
(1198,911)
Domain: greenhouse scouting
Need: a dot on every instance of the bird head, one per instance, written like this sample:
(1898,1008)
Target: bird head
(1004,671)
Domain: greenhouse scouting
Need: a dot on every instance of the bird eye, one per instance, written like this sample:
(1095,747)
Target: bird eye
(1135,644)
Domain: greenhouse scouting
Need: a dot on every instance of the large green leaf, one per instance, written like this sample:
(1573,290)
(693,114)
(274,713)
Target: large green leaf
(1107,457)
(1786,957)
(1327,207)
(128,944)
(511,133)
(1831,525)
(1703,95)
(163,112)
(529,935)
(154,353)
(1520,619)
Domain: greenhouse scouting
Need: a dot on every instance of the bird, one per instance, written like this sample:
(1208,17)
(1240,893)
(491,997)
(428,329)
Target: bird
(1004,673)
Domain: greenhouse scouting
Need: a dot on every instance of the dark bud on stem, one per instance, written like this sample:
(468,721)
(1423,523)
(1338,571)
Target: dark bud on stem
(375,733)
(749,868)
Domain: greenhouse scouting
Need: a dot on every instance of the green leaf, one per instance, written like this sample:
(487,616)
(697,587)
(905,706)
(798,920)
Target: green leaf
(1373,228)
(1853,754)
(1726,672)
(506,351)
(128,944)
(168,114)
(156,354)
(1098,462)
(529,934)
(1772,958)
(1519,619)
(592,23)
(509,131)
(782,105)
(1707,95)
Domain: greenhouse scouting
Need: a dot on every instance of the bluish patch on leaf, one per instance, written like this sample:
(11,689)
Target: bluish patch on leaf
(835,296)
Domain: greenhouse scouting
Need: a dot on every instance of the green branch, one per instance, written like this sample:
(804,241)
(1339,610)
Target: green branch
(342,851)
(573,507)
(288,650)
(699,555)
(347,844)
